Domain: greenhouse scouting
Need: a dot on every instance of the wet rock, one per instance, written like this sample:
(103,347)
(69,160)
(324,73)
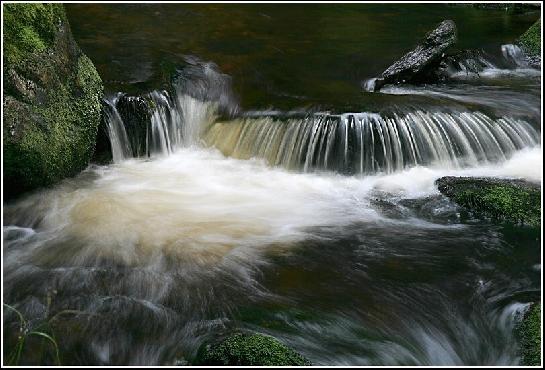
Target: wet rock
(103,147)
(136,111)
(515,201)
(51,99)
(469,61)
(529,335)
(249,349)
(530,43)
(421,62)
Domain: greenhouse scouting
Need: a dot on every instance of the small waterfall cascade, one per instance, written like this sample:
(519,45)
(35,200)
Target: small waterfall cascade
(368,143)
(116,133)
(512,58)
(162,121)
(468,62)
(514,55)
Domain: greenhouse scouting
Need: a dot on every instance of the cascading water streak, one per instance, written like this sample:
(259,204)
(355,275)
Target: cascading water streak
(367,143)
(515,55)
(116,133)
(162,121)
(172,124)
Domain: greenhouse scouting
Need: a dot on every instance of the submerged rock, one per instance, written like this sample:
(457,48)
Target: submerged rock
(530,43)
(51,99)
(515,201)
(242,349)
(421,62)
(529,335)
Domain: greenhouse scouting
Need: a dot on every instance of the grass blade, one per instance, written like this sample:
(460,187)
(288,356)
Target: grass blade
(50,338)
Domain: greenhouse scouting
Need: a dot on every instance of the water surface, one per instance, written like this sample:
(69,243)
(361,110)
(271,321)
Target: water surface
(356,259)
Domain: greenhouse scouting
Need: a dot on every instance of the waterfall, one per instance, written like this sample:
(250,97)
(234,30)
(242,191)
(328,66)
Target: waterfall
(514,55)
(116,133)
(350,143)
(368,143)
(163,121)
(160,122)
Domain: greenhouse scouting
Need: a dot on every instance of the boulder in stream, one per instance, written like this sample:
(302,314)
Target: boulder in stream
(515,201)
(249,349)
(51,99)
(421,62)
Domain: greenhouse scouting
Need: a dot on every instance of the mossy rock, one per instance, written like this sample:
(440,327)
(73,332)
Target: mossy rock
(514,201)
(249,349)
(529,335)
(530,41)
(51,99)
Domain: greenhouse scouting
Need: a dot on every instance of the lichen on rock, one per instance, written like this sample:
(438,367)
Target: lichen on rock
(51,99)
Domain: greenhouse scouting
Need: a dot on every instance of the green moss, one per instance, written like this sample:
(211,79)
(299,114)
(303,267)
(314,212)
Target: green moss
(530,41)
(529,335)
(52,95)
(250,350)
(29,28)
(507,200)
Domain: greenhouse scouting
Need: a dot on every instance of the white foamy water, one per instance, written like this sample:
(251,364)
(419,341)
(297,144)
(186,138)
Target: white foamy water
(199,206)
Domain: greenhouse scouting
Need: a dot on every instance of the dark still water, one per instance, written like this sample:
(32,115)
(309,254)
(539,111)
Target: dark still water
(279,55)
(323,229)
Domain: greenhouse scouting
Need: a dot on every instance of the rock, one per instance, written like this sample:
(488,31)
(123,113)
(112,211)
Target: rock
(530,43)
(51,99)
(103,147)
(515,201)
(528,332)
(416,65)
(469,61)
(244,349)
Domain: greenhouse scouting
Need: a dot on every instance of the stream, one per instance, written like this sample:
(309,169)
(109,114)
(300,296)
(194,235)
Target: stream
(277,195)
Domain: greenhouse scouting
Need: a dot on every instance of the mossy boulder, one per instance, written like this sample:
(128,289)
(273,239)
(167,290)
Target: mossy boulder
(51,98)
(249,349)
(514,201)
(529,335)
(530,43)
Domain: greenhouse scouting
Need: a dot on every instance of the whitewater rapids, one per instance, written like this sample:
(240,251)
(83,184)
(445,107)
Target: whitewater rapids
(199,205)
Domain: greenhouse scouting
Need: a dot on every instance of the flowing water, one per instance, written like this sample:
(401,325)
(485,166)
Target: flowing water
(313,219)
